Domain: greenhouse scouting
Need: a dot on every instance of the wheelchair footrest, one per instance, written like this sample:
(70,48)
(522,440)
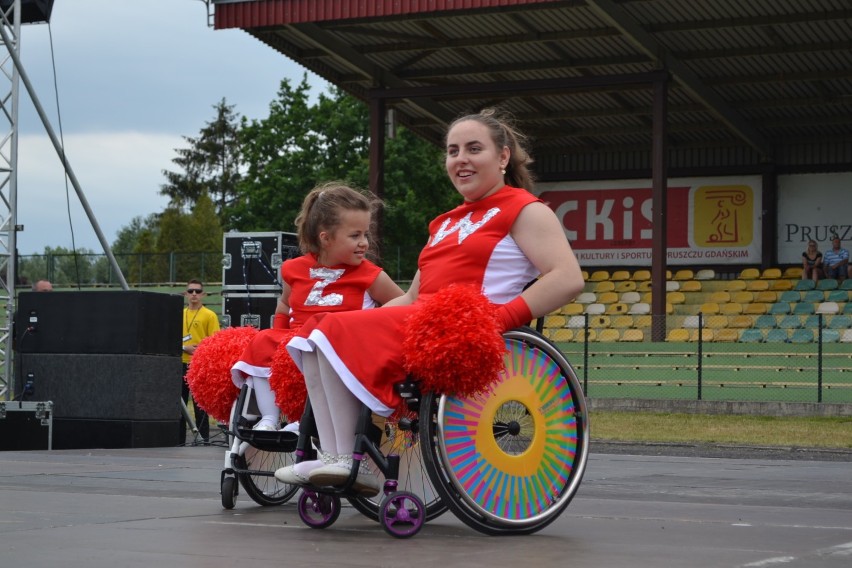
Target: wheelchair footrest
(276,441)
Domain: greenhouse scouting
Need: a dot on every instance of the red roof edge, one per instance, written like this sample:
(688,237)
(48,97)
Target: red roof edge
(263,13)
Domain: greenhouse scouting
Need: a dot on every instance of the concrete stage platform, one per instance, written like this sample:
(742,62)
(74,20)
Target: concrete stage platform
(161,508)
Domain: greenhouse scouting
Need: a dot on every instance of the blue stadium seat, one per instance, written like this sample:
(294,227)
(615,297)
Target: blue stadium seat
(847,284)
(847,309)
(838,296)
(765,321)
(790,296)
(802,336)
(827,284)
(804,285)
(776,336)
(812,322)
(840,322)
(803,308)
(813,296)
(790,322)
(830,336)
(751,336)
(779,308)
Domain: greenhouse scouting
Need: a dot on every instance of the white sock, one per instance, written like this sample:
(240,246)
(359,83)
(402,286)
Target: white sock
(319,403)
(346,407)
(265,398)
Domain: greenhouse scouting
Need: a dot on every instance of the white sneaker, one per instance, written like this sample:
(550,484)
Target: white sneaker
(291,427)
(263,427)
(337,473)
(291,476)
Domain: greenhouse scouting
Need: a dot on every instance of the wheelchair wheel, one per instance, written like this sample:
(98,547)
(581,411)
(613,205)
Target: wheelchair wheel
(318,510)
(401,437)
(262,486)
(509,461)
(402,514)
(229,492)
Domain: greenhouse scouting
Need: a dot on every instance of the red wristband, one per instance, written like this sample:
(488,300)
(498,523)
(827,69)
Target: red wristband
(514,314)
(281,321)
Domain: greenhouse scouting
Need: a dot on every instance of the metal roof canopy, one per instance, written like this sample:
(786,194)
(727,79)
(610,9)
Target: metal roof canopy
(757,85)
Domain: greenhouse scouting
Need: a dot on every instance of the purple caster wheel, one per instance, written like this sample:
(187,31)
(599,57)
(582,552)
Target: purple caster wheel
(402,514)
(318,510)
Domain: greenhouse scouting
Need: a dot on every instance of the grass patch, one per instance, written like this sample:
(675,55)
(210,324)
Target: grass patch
(810,432)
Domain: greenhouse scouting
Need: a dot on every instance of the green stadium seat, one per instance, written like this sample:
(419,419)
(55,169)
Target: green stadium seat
(765,321)
(812,322)
(804,285)
(776,336)
(847,284)
(790,322)
(790,296)
(830,336)
(813,296)
(751,336)
(780,309)
(803,308)
(838,296)
(840,322)
(802,336)
(847,309)
(827,284)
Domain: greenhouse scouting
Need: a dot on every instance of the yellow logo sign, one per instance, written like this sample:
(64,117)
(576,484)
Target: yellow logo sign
(723,216)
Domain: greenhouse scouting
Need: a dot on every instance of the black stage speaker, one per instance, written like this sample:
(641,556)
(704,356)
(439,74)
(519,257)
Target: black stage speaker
(125,322)
(133,397)
(256,310)
(252,261)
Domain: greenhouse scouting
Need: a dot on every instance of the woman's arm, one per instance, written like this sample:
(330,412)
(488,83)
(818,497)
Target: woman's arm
(540,236)
(384,289)
(283,306)
(410,295)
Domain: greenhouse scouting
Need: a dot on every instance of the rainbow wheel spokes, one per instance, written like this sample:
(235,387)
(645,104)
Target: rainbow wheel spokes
(511,452)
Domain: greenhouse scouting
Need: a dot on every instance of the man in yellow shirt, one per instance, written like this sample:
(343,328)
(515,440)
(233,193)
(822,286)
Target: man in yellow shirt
(198,322)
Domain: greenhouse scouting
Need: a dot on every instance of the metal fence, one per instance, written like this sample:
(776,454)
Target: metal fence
(797,359)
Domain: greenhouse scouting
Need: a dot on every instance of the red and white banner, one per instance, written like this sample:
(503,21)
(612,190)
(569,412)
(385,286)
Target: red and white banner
(710,220)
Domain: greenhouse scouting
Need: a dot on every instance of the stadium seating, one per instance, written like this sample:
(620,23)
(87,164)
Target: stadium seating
(776,336)
(690,286)
(607,297)
(789,322)
(771,274)
(708,308)
(839,296)
(828,308)
(804,285)
(751,336)
(633,335)
(598,276)
(789,296)
(625,286)
(780,308)
(587,298)
(792,273)
(731,308)
(826,284)
(641,275)
(802,336)
(572,309)
(780,285)
(678,335)
(766,296)
(813,296)
(620,275)
(603,286)
(749,274)
(705,274)
(595,309)
(743,297)
(616,308)
(608,335)
(630,297)
(726,335)
(756,308)
(639,308)
(757,285)
(684,274)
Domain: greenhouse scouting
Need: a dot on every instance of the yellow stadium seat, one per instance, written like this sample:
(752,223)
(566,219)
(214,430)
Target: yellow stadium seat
(690,286)
(585,274)
(554,321)
(619,275)
(678,335)
(716,322)
(669,308)
(609,335)
(561,334)
(646,297)
(735,285)
(622,321)
(641,275)
(727,335)
(709,308)
(731,308)
(675,298)
(766,296)
(781,285)
(742,297)
(625,286)
(644,286)
(741,321)
(720,297)
(616,308)
(756,308)
(607,297)
(599,276)
(757,285)
(642,322)
(603,286)
(792,272)
(581,336)
(771,274)
(633,335)
(749,274)
(599,321)
(706,335)
(684,274)
(572,309)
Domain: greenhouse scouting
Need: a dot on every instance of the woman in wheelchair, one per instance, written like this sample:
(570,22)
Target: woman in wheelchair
(333,227)
(496,241)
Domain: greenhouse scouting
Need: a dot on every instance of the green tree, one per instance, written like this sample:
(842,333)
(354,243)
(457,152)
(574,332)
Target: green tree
(209,166)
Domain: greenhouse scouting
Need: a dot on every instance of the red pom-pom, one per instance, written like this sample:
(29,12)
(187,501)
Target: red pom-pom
(453,342)
(287,382)
(209,375)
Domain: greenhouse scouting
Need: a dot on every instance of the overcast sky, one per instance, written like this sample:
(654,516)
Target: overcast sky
(133,77)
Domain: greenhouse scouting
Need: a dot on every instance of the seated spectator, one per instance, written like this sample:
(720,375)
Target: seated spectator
(811,262)
(42,286)
(835,261)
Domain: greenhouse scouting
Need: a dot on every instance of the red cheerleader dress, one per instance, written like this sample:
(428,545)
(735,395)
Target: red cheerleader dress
(313,289)
(469,245)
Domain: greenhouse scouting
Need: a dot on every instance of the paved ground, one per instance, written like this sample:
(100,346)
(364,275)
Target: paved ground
(638,506)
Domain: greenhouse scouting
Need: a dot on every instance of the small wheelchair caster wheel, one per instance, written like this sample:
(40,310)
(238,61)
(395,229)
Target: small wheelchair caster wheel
(318,510)
(229,492)
(402,514)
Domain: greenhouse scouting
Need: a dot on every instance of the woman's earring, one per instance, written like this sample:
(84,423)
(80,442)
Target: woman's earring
(503,171)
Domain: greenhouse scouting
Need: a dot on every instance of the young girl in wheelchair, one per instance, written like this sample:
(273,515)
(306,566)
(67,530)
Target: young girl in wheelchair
(333,275)
(497,240)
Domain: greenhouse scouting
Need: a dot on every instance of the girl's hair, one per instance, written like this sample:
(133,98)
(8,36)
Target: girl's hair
(322,208)
(504,133)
